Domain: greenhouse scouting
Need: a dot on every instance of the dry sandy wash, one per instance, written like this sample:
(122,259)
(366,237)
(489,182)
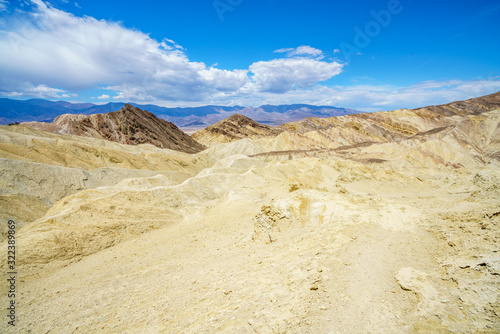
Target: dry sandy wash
(380,223)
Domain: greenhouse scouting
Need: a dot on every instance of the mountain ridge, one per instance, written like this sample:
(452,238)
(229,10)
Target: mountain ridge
(234,127)
(361,222)
(129,125)
(41,110)
(374,127)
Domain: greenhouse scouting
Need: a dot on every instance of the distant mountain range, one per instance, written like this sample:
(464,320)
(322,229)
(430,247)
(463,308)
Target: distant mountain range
(187,118)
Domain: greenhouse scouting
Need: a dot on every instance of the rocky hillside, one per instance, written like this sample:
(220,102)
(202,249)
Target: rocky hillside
(474,106)
(39,168)
(413,121)
(375,223)
(455,130)
(234,128)
(130,125)
(362,128)
(188,118)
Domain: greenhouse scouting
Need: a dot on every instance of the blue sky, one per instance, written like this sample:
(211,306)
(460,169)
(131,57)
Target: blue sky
(367,55)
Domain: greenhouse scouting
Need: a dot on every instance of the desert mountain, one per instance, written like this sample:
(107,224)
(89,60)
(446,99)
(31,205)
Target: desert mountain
(39,168)
(234,128)
(362,129)
(385,222)
(425,118)
(45,111)
(129,125)
(188,118)
(266,114)
(474,106)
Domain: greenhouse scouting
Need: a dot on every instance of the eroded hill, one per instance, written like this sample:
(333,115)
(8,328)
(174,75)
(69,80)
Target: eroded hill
(129,125)
(234,128)
(39,168)
(382,223)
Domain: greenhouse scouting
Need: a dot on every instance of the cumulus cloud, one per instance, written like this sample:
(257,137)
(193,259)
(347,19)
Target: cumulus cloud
(49,53)
(282,75)
(303,50)
(75,53)
(40,91)
(53,48)
(301,68)
(57,49)
(103,97)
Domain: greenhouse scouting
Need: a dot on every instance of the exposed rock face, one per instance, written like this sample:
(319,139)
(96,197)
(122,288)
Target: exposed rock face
(442,134)
(354,129)
(234,128)
(130,125)
(474,106)
(403,122)
(381,223)
(39,168)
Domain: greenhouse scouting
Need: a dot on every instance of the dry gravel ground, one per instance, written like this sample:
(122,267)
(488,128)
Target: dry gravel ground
(302,246)
(328,233)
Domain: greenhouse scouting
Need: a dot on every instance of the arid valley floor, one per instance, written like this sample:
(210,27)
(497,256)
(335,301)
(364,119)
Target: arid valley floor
(385,222)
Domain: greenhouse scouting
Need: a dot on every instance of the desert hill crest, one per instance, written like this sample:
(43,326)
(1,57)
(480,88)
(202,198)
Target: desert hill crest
(129,125)
(233,128)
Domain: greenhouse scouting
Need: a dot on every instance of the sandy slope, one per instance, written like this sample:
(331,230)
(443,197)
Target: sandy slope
(39,168)
(390,237)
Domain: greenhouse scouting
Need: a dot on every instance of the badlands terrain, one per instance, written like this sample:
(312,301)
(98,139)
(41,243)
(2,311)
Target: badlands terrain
(129,125)
(385,222)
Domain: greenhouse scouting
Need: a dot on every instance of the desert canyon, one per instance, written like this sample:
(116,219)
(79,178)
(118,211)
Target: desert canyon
(384,222)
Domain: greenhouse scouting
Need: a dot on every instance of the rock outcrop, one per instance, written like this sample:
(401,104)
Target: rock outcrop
(473,106)
(234,128)
(130,125)
(378,127)
(381,223)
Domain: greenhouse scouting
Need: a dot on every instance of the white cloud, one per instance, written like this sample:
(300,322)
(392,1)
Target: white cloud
(336,51)
(3,5)
(40,91)
(302,51)
(77,53)
(284,50)
(53,54)
(282,75)
(371,97)
(103,97)
(169,44)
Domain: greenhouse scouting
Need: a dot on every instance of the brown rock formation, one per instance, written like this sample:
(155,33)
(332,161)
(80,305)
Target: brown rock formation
(130,125)
(474,106)
(382,222)
(234,128)
(403,122)
(354,129)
